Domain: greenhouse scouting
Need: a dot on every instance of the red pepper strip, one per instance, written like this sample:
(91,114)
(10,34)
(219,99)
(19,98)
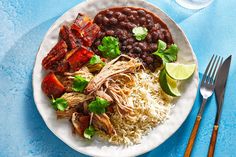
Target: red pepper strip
(79,57)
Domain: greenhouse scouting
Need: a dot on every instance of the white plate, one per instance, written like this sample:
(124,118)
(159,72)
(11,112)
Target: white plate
(62,128)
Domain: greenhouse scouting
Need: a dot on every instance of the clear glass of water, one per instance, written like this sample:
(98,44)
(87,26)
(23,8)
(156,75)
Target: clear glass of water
(194,4)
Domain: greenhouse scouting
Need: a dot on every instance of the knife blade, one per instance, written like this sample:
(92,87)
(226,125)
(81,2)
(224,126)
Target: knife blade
(220,86)
(221,80)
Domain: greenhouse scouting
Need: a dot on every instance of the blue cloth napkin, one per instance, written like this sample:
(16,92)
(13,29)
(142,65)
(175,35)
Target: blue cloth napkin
(23,25)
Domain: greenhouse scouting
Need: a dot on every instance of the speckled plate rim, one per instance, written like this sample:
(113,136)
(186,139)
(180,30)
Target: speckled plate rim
(62,128)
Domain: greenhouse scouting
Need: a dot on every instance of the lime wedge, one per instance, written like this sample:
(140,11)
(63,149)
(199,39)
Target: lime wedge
(180,71)
(168,85)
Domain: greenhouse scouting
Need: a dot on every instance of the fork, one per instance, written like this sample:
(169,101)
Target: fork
(206,90)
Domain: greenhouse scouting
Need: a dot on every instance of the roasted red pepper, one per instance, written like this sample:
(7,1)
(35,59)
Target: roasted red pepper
(78,57)
(56,55)
(51,86)
(85,29)
(68,36)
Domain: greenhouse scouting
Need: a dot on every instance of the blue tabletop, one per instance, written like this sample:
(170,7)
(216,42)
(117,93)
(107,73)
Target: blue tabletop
(23,23)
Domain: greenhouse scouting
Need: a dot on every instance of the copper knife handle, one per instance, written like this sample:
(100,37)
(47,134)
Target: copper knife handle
(192,137)
(213,141)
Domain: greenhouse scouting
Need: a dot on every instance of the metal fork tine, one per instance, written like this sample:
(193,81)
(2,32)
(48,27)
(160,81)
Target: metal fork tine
(221,61)
(206,71)
(212,77)
(208,79)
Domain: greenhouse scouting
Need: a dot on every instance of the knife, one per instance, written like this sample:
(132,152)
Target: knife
(219,91)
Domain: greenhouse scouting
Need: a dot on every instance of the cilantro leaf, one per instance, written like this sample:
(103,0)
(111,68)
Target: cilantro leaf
(109,47)
(167,54)
(59,104)
(79,84)
(98,106)
(96,60)
(89,132)
(140,33)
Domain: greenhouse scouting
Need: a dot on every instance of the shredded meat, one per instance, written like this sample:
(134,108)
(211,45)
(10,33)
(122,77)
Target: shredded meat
(80,122)
(112,68)
(75,98)
(103,122)
(104,95)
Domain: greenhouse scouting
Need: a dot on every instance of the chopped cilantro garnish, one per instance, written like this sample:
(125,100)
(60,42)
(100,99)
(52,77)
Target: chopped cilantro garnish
(96,60)
(167,54)
(109,47)
(89,132)
(140,33)
(98,106)
(59,104)
(79,84)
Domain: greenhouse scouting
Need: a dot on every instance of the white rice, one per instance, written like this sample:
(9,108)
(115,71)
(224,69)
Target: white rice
(151,107)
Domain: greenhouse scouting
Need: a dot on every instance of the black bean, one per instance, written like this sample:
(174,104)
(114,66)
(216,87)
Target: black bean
(157,26)
(121,17)
(168,38)
(150,24)
(148,16)
(129,47)
(125,43)
(141,12)
(142,20)
(113,21)
(137,50)
(117,14)
(149,59)
(118,32)
(109,13)
(99,19)
(155,36)
(130,41)
(143,56)
(123,48)
(153,47)
(127,11)
(110,32)
(136,44)
(122,24)
(134,13)
(105,20)
(149,38)
(130,25)
(131,18)
(143,46)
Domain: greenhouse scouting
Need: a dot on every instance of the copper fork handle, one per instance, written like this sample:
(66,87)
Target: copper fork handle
(192,137)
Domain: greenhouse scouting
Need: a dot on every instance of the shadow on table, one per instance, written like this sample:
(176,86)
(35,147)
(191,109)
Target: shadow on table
(17,66)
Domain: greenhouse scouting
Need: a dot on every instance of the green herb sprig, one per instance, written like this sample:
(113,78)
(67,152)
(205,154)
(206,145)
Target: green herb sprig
(167,54)
(110,47)
(140,33)
(79,84)
(96,60)
(98,106)
(59,104)
(89,132)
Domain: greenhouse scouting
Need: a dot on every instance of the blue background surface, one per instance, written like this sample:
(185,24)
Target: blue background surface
(23,23)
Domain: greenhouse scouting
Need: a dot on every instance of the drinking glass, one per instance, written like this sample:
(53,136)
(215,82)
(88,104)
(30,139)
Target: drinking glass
(194,4)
